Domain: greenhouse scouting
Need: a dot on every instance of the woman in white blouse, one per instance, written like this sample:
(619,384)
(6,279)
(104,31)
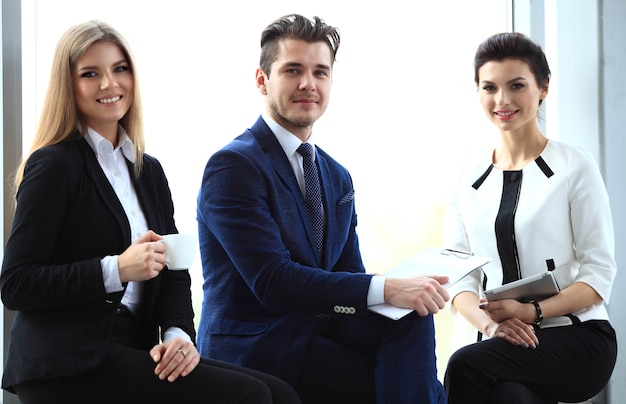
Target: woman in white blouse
(534,205)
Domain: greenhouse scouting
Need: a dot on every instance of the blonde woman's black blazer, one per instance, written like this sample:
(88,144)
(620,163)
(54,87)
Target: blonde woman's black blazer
(67,218)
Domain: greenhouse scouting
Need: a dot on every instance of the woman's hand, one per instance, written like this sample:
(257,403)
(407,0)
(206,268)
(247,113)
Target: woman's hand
(512,321)
(500,310)
(176,357)
(142,260)
(514,331)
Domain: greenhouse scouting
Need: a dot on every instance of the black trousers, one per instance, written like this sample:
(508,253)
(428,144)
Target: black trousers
(127,376)
(571,364)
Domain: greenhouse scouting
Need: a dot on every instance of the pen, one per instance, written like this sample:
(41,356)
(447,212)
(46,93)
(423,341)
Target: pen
(458,253)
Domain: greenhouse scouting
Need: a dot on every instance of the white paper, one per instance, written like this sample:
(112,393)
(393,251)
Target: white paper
(431,261)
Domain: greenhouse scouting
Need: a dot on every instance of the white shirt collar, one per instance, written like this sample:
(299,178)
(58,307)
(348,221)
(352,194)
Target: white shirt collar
(288,141)
(101,145)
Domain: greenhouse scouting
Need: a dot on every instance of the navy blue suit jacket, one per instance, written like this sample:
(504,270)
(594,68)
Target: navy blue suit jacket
(68,217)
(263,282)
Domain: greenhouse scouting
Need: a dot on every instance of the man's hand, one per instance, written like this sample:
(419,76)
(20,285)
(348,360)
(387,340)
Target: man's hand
(176,357)
(424,294)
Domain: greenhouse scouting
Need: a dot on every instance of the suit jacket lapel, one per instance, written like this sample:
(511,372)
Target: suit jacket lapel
(280,163)
(145,196)
(104,188)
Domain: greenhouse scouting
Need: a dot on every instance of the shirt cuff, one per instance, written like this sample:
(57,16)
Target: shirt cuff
(111,274)
(174,332)
(376,292)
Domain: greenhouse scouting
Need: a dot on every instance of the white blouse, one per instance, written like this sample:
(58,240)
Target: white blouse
(562,222)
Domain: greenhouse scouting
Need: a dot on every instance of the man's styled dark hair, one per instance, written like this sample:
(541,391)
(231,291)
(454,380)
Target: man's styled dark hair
(294,26)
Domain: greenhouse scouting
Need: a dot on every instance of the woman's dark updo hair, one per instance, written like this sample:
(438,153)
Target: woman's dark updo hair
(513,45)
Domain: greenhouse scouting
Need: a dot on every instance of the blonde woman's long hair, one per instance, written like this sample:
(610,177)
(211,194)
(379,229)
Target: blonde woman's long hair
(60,117)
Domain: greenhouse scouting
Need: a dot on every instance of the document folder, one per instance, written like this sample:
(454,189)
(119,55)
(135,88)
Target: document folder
(431,261)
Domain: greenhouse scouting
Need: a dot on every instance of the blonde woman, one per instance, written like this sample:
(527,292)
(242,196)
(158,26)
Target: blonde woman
(99,317)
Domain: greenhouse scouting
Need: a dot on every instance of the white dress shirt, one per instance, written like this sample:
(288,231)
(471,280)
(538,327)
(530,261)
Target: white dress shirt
(113,163)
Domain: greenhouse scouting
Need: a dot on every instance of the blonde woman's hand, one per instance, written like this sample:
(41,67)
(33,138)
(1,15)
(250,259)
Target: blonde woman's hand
(174,358)
(143,259)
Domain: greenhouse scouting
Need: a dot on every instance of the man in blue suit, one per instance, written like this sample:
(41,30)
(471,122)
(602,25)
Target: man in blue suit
(273,300)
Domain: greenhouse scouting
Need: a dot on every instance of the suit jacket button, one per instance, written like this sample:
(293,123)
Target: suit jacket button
(337,309)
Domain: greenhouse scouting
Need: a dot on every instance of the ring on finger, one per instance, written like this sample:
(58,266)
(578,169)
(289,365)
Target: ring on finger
(182,352)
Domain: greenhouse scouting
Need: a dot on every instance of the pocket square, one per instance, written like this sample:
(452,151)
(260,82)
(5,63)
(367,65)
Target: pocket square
(347,198)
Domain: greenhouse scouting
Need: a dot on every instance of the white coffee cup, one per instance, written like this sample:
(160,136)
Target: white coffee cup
(180,250)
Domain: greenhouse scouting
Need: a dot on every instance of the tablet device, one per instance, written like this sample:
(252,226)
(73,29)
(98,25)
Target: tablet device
(536,287)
